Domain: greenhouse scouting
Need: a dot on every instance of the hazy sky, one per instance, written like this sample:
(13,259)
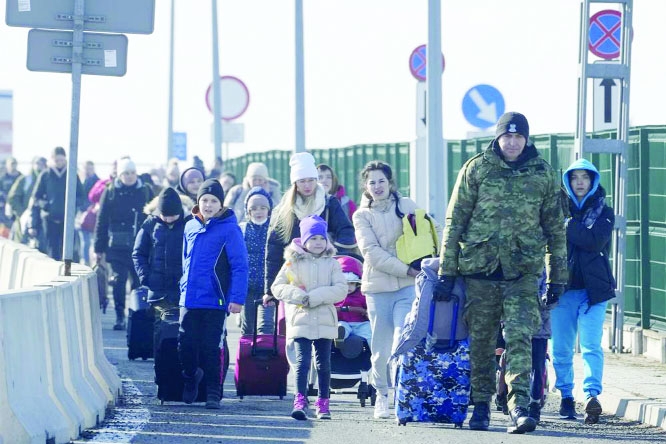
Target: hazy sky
(358,86)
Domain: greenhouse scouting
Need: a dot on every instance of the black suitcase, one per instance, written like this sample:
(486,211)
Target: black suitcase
(168,376)
(140,321)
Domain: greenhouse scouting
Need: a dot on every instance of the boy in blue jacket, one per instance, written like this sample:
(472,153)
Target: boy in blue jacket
(215,275)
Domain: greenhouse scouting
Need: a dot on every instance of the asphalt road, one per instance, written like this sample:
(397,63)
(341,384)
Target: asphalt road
(140,418)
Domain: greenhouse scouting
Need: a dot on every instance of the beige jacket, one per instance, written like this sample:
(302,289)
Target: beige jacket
(319,278)
(377,230)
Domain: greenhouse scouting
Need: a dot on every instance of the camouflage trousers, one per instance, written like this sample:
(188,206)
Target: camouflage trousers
(516,304)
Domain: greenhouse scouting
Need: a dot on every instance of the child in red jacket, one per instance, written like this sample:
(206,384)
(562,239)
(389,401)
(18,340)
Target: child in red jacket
(352,310)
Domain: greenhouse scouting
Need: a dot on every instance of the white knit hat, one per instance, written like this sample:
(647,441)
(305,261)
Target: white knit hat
(125,165)
(256,169)
(302,167)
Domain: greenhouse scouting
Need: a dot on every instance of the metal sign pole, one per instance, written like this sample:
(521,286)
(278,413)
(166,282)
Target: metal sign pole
(300,88)
(170,117)
(70,193)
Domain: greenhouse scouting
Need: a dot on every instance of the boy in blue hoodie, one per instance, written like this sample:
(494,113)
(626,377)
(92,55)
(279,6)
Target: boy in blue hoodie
(258,206)
(215,275)
(582,309)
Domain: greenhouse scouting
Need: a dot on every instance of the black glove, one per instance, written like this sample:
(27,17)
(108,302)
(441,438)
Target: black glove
(553,293)
(443,288)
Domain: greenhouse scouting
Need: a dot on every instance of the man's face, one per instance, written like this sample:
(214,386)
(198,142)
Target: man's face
(512,145)
(90,169)
(39,166)
(10,164)
(580,182)
(60,161)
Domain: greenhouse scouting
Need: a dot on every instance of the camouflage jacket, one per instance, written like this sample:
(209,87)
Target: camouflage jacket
(501,215)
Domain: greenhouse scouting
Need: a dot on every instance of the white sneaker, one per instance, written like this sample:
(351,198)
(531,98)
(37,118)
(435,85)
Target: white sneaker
(381,407)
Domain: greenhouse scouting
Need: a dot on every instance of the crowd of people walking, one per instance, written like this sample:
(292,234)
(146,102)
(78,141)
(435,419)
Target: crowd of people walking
(208,247)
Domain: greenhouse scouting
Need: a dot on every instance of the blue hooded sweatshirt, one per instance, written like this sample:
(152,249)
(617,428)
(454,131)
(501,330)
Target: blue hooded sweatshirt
(581,164)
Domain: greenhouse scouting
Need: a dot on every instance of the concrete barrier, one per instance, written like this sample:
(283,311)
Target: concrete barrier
(54,378)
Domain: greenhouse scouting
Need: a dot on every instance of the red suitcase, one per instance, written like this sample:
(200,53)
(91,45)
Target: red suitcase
(261,363)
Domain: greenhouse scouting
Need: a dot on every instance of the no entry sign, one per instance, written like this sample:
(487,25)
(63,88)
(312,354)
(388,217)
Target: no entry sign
(604,37)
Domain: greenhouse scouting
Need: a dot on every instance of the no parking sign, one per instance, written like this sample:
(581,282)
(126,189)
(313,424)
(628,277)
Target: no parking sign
(604,37)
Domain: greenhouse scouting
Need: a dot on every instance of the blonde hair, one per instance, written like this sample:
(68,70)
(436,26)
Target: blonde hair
(284,213)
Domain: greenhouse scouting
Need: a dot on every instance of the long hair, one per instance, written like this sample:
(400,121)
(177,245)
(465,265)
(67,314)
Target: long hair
(378,165)
(283,217)
(335,183)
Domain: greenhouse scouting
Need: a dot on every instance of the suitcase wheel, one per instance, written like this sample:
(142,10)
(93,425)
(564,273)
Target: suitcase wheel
(281,397)
(458,425)
(402,422)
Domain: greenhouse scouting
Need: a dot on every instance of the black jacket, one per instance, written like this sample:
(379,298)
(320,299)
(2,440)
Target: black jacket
(158,254)
(49,197)
(588,247)
(120,217)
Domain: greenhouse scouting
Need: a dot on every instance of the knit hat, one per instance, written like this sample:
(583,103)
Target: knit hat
(513,122)
(351,267)
(258,196)
(312,226)
(256,169)
(125,165)
(211,186)
(168,203)
(302,167)
(190,175)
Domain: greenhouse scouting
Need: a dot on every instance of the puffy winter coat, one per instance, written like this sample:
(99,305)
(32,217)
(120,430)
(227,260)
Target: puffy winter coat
(377,229)
(322,280)
(158,250)
(215,269)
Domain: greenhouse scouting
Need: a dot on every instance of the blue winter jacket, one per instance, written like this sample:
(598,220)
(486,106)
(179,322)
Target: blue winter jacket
(215,269)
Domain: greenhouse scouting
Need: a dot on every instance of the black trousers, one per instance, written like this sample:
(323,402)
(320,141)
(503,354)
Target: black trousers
(122,268)
(199,344)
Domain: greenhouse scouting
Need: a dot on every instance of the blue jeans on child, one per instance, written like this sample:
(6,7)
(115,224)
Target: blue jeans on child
(573,315)
(361,329)
(322,348)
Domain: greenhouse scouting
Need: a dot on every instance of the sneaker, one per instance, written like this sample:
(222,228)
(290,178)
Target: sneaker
(522,422)
(592,410)
(480,419)
(300,407)
(534,411)
(191,386)
(381,407)
(321,406)
(568,408)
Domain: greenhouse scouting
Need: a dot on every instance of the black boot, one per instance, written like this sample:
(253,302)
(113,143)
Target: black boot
(522,422)
(480,419)
(534,411)
(213,397)
(120,322)
(191,386)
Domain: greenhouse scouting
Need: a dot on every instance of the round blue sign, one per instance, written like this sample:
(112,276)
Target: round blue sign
(482,105)
(417,63)
(605,34)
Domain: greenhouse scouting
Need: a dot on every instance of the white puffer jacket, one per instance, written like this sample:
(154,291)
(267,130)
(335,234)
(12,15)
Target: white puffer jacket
(322,280)
(377,230)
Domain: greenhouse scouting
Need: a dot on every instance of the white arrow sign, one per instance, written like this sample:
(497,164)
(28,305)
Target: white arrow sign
(487,111)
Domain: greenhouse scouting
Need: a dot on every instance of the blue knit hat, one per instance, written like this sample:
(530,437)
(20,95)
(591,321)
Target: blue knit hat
(313,226)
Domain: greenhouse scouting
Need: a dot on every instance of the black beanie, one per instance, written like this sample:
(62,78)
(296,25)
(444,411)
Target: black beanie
(513,123)
(168,202)
(211,186)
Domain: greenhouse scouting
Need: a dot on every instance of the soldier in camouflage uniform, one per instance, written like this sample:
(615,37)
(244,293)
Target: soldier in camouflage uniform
(504,220)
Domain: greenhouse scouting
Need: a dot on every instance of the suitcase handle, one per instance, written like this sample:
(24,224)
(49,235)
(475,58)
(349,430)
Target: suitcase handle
(454,323)
(258,302)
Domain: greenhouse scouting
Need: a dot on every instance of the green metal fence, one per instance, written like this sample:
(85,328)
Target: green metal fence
(645,286)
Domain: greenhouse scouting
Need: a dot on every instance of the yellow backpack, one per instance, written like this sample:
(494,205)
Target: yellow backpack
(419,238)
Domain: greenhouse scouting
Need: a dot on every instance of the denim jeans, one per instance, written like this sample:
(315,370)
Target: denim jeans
(573,315)
(322,348)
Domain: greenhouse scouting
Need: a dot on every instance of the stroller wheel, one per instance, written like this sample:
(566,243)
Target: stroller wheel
(373,395)
(363,393)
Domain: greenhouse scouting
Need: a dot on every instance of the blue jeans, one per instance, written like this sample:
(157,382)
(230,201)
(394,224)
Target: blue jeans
(387,313)
(573,315)
(322,348)
(86,241)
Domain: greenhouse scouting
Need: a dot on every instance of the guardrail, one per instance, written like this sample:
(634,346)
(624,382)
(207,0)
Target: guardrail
(54,378)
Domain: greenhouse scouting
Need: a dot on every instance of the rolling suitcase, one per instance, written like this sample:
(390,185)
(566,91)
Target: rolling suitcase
(433,379)
(261,363)
(168,376)
(140,320)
